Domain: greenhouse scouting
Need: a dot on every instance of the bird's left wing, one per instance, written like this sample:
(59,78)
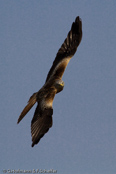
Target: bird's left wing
(40,123)
(67,50)
(42,119)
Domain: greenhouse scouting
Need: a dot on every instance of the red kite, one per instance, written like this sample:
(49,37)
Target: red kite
(42,119)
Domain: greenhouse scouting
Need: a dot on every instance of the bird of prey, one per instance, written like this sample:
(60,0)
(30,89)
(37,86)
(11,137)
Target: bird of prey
(42,119)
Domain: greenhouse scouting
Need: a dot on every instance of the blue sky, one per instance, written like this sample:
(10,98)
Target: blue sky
(83,137)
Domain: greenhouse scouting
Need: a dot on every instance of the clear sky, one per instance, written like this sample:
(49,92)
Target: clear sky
(83,137)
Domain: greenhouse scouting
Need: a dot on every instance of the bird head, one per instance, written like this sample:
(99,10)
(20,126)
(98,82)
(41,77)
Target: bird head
(59,85)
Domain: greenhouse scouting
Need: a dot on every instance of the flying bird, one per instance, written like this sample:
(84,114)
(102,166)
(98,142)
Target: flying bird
(42,119)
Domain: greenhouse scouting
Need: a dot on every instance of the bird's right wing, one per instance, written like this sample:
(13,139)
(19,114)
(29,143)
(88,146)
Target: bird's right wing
(66,51)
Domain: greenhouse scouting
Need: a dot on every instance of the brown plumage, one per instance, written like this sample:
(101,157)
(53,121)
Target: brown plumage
(42,119)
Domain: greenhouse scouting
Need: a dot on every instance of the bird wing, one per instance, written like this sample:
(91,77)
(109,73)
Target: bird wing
(42,119)
(67,50)
(40,123)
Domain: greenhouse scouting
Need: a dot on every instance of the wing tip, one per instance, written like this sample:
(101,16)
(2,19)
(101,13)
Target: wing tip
(32,145)
(18,121)
(77,25)
(78,19)
(77,28)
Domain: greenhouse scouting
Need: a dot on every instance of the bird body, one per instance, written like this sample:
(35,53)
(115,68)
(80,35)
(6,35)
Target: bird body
(42,119)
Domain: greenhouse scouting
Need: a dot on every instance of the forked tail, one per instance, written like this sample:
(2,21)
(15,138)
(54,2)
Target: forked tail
(30,104)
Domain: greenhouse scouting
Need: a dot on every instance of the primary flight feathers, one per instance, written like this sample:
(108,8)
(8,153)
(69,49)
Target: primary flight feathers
(42,119)
(67,50)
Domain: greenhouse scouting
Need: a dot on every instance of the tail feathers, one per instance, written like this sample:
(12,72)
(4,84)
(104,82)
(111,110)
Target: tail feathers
(30,104)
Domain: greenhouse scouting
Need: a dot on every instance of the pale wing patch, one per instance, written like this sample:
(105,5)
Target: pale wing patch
(64,61)
(46,103)
(60,68)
